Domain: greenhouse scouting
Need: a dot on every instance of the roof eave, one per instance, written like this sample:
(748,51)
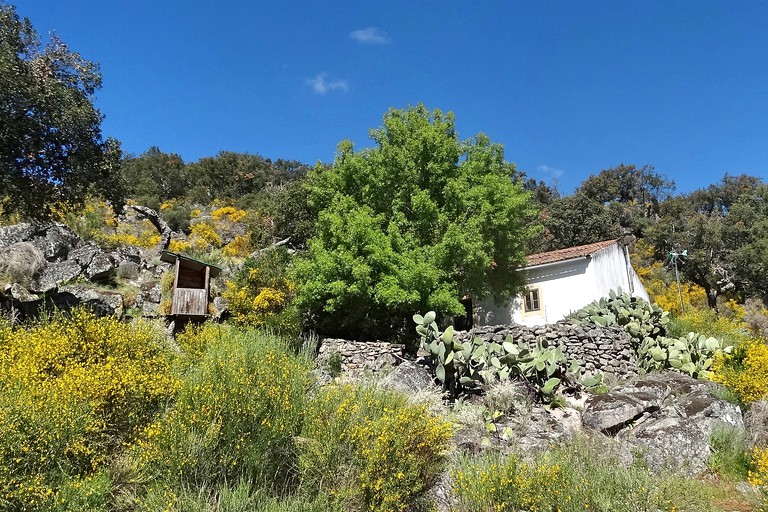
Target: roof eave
(553,263)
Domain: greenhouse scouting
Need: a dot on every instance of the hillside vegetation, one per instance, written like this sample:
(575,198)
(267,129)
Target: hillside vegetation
(102,413)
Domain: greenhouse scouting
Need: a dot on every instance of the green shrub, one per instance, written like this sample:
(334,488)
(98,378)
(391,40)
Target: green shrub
(260,295)
(730,455)
(72,392)
(369,449)
(235,416)
(575,477)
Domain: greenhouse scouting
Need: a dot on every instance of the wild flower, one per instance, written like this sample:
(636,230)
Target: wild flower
(745,371)
(758,476)
(230,213)
(72,391)
(389,451)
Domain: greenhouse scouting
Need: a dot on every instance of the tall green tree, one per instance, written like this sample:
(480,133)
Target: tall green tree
(575,220)
(633,194)
(414,223)
(606,205)
(154,177)
(51,147)
(722,229)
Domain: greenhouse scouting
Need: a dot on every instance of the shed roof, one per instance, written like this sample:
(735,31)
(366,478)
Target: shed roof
(569,253)
(171,257)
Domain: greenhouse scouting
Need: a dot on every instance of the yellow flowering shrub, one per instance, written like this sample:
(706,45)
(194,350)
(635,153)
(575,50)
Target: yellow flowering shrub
(236,415)
(228,212)
(139,234)
(239,247)
(745,371)
(758,476)
(203,237)
(72,390)
(179,246)
(662,289)
(505,484)
(194,340)
(360,443)
(260,294)
(88,221)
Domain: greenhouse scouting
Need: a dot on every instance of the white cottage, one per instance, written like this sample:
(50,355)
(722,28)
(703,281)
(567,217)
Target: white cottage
(563,281)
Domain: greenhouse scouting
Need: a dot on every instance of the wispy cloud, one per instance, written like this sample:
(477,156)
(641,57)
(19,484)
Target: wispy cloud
(550,172)
(370,35)
(321,84)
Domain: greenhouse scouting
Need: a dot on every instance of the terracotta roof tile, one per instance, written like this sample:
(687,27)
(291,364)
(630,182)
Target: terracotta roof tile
(569,253)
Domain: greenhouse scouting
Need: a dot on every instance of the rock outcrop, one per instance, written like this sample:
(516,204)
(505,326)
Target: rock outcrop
(665,419)
(48,265)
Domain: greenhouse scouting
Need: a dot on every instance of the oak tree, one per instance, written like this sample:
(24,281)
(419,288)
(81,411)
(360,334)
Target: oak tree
(51,147)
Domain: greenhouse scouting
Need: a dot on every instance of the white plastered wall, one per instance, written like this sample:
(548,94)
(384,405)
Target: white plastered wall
(565,287)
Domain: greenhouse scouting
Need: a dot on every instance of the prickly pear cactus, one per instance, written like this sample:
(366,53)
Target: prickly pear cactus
(639,318)
(692,354)
(458,365)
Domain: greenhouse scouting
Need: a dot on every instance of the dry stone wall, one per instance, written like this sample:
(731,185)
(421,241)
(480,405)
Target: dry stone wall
(606,349)
(358,356)
(598,349)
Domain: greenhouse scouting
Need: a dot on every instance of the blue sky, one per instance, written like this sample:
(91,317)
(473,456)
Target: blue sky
(569,88)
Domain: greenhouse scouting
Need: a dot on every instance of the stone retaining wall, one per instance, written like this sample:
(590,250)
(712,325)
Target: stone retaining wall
(606,349)
(358,356)
(598,349)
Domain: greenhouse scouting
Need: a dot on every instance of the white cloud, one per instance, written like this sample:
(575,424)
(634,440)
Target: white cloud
(551,172)
(321,84)
(370,35)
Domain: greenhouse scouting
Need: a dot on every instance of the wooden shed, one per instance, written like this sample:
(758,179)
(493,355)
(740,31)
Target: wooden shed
(191,285)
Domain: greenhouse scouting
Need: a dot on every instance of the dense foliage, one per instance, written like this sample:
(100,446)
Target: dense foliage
(745,371)
(155,177)
(371,447)
(260,294)
(72,392)
(235,415)
(417,222)
(51,148)
(462,365)
(722,230)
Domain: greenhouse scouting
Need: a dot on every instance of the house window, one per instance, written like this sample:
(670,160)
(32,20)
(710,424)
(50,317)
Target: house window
(533,300)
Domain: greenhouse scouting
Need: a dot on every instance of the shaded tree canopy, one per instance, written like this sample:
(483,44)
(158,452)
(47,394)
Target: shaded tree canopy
(616,200)
(155,176)
(575,220)
(628,184)
(51,147)
(414,223)
(723,230)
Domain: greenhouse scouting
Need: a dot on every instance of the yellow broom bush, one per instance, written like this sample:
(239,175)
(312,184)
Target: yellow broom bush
(72,391)
(745,372)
